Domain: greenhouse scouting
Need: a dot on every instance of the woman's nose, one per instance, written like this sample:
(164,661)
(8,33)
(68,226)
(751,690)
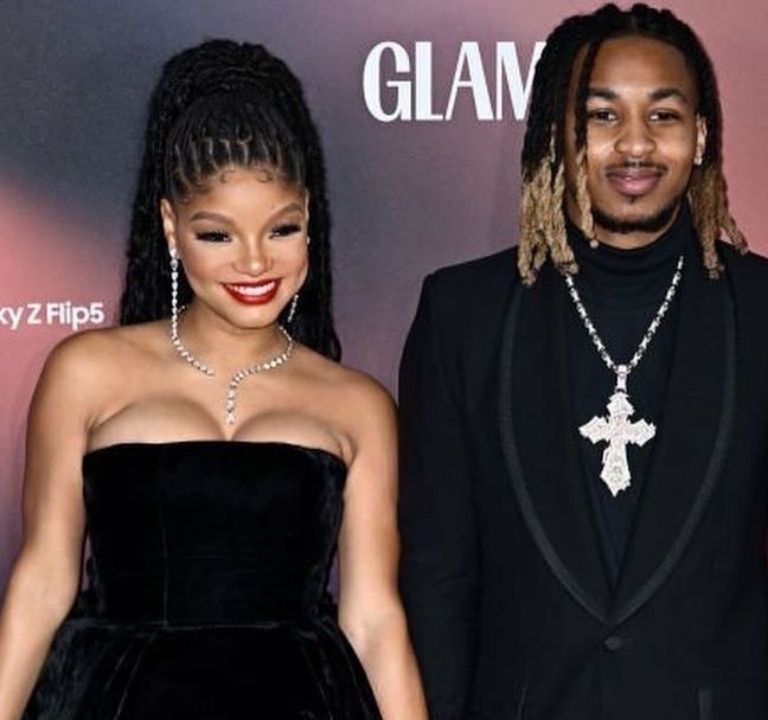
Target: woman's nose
(252,259)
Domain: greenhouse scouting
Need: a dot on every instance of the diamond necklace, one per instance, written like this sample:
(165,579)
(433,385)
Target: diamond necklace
(239,375)
(617,429)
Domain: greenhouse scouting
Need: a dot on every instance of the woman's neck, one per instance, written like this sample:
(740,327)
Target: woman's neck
(223,345)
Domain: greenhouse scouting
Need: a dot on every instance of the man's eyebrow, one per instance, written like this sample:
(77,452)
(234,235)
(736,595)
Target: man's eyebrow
(668,92)
(661,93)
(603,93)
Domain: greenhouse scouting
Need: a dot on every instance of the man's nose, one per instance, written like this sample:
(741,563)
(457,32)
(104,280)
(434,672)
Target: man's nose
(635,139)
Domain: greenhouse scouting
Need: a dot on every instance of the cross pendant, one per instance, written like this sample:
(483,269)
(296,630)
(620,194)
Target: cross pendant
(618,431)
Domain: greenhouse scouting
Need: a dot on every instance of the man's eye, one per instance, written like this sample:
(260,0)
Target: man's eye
(285,230)
(664,115)
(215,236)
(601,115)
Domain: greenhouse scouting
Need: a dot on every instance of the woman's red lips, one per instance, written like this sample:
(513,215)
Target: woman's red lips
(635,181)
(255,293)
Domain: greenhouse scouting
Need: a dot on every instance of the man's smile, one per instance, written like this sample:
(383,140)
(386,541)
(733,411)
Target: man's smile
(634,181)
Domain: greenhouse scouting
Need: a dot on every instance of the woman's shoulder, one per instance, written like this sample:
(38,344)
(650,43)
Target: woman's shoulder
(359,406)
(91,354)
(352,389)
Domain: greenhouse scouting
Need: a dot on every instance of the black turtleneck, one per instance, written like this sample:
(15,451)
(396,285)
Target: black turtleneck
(622,291)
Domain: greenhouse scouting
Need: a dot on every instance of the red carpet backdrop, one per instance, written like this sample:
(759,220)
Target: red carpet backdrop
(420,108)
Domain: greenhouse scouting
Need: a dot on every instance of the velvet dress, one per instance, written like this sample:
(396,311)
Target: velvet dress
(208,599)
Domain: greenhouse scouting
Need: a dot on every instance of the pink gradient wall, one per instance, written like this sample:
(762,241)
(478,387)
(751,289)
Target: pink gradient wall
(406,197)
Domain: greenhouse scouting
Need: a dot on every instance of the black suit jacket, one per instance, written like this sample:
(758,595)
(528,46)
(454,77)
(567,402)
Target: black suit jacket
(510,606)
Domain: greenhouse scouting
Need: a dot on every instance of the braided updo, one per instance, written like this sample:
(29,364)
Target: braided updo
(215,105)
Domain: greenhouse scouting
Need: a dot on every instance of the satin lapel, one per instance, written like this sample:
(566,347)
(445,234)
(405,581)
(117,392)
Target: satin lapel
(694,433)
(539,443)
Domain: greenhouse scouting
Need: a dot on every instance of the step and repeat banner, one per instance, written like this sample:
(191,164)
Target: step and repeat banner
(421,108)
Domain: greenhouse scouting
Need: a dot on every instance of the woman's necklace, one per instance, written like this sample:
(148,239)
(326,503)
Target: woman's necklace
(238,376)
(617,429)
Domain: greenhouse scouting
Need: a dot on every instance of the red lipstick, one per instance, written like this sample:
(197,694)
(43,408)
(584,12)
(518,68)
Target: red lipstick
(253,293)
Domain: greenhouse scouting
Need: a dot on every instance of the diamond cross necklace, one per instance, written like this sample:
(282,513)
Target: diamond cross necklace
(617,429)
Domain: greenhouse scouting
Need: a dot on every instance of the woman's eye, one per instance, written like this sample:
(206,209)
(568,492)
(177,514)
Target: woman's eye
(285,230)
(215,236)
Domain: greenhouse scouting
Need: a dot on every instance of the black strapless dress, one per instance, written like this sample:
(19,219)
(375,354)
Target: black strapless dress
(208,597)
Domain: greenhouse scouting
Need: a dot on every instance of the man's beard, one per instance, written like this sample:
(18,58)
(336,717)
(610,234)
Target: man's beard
(650,224)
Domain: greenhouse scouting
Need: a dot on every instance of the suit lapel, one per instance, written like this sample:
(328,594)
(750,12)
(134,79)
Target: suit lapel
(694,431)
(539,442)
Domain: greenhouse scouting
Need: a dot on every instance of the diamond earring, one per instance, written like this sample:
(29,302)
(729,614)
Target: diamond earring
(292,309)
(174,255)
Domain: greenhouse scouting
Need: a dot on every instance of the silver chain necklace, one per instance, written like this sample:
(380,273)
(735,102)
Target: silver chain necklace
(238,376)
(617,429)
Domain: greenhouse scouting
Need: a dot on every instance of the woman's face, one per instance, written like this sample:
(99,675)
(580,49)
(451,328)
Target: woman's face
(242,241)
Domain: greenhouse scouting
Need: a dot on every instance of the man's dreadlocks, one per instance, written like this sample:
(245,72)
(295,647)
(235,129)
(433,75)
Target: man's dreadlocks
(543,227)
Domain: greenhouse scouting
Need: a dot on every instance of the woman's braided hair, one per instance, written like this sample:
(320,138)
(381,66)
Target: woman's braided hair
(216,105)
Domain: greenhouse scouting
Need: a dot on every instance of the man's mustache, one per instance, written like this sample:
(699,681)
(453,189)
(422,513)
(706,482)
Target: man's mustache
(638,165)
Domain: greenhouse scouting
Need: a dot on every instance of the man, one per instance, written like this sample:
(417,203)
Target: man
(585,418)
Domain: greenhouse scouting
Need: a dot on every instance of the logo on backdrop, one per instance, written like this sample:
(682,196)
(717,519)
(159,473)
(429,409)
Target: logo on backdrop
(49,314)
(398,83)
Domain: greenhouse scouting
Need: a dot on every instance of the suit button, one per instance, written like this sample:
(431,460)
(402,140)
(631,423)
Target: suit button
(613,643)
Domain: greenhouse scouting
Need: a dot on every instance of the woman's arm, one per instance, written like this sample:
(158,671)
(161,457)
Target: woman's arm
(46,575)
(370,612)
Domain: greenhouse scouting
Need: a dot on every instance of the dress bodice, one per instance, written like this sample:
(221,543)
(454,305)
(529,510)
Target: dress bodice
(209,565)
(211,531)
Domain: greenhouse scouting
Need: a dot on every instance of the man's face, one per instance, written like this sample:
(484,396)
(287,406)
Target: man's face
(643,134)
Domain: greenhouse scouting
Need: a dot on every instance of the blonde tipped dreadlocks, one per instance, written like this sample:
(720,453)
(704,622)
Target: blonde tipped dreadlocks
(708,196)
(542,219)
(542,222)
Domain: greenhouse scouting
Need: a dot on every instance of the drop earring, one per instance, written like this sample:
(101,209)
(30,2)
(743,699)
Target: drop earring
(292,309)
(175,312)
(174,256)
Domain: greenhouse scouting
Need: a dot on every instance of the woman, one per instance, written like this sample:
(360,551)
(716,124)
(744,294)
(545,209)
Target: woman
(209,445)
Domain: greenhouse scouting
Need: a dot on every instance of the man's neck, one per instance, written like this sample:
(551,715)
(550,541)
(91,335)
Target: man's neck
(630,240)
(625,240)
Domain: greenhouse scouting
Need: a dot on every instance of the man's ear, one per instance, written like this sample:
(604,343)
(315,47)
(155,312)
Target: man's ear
(701,139)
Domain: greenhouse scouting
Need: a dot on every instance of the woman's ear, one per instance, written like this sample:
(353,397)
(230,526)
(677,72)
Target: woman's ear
(168,217)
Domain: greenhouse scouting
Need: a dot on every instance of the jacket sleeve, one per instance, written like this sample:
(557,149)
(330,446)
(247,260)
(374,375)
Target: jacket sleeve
(438,573)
